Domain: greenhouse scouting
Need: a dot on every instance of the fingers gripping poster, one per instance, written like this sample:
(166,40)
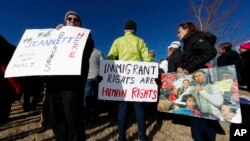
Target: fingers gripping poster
(128,81)
(206,93)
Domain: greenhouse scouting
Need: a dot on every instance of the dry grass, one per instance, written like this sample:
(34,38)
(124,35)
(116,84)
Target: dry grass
(25,126)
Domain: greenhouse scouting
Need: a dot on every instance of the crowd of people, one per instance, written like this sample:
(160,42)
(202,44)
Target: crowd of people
(71,101)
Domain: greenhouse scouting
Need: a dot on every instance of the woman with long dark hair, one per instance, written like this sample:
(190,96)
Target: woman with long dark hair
(198,49)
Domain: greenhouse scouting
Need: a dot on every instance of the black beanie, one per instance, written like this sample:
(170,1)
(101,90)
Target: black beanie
(130,24)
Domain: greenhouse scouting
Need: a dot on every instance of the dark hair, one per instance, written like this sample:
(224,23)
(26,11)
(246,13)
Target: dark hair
(206,75)
(185,97)
(232,109)
(130,25)
(197,72)
(185,80)
(189,26)
(226,46)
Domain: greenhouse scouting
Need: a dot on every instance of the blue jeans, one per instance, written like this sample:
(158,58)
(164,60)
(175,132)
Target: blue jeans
(140,119)
(90,102)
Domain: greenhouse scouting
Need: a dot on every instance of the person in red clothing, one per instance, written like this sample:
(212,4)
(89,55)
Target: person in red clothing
(245,55)
(173,94)
(7,91)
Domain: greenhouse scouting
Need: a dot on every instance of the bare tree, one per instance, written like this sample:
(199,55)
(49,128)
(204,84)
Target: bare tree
(217,16)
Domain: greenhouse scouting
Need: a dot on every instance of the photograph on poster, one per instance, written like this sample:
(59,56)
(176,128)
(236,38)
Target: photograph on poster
(210,93)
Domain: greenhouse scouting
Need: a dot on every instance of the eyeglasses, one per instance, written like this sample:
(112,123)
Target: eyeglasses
(74,19)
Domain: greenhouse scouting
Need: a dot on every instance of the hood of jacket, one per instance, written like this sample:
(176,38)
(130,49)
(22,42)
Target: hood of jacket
(211,38)
(231,54)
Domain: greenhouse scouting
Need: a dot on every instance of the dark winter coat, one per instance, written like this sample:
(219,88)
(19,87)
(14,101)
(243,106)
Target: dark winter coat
(7,91)
(246,68)
(231,58)
(174,60)
(198,50)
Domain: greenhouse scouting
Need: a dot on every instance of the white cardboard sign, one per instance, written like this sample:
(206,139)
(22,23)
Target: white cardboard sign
(128,81)
(49,52)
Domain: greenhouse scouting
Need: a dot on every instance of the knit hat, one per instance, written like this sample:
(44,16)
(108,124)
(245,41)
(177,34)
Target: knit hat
(130,24)
(72,13)
(245,45)
(175,44)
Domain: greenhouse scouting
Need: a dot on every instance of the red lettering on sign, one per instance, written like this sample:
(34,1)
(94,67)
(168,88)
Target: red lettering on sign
(72,54)
(80,35)
(143,93)
(113,92)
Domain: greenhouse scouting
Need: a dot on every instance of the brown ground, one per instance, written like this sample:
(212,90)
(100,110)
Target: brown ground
(25,126)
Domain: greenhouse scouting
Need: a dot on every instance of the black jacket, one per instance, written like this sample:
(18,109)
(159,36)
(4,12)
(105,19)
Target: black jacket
(198,50)
(174,60)
(6,51)
(231,57)
(245,69)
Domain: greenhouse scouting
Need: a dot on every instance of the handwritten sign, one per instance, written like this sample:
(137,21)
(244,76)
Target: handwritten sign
(225,85)
(128,81)
(49,52)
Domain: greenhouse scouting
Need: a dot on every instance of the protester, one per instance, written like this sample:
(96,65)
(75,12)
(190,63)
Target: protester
(245,55)
(91,89)
(7,91)
(13,88)
(66,93)
(229,57)
(32,87)
(198,49)
(174,56)
(163,66)
(130,48)
(152,55)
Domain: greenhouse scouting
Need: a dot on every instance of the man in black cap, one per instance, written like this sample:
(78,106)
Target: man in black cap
(130,48)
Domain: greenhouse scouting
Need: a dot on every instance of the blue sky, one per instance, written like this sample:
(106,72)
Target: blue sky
(157,20)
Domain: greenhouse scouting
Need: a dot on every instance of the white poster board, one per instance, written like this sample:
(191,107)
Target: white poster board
(49,52)
(128,81)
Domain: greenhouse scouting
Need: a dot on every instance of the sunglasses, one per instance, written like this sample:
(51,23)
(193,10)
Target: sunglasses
(74,19)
